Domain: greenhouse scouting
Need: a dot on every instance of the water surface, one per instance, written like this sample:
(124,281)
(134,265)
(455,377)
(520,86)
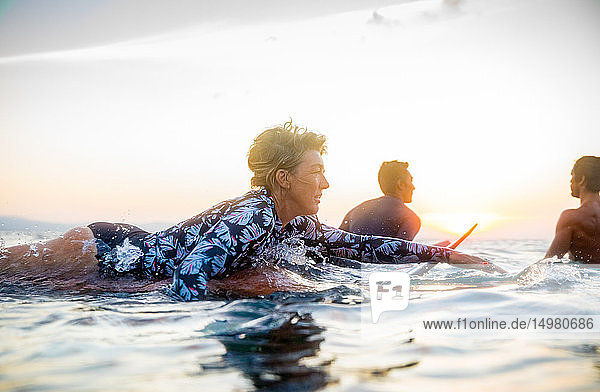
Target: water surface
(57,340)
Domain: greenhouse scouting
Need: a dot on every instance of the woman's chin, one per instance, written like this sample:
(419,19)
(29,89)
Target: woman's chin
(307,209)
(311,211)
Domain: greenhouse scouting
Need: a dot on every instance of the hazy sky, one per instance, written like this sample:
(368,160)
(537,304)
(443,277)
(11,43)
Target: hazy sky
(140,112)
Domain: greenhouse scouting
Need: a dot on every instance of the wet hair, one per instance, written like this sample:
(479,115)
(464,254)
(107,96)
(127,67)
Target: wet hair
(389,174)
(588,167)
(281,147)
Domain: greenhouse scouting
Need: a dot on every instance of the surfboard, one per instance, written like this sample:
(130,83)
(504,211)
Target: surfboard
(423,268)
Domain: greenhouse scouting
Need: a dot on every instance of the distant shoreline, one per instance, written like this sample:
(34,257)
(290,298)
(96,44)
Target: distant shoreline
(16,223)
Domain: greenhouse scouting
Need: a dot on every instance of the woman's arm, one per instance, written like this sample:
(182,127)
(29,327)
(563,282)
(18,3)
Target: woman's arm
(384,250)
(365,248)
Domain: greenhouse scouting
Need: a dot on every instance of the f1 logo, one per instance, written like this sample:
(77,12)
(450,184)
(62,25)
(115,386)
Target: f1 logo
(389,291)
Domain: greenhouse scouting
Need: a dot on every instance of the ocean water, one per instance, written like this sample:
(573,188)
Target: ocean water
(85,341)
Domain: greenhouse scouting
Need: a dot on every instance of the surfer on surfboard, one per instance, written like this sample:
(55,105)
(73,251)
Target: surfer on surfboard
(226,239)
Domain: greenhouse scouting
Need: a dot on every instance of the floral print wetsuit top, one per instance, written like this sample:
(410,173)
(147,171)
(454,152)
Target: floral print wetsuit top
(225,238)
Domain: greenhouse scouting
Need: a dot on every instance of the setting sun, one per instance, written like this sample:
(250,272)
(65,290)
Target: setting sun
(460,222)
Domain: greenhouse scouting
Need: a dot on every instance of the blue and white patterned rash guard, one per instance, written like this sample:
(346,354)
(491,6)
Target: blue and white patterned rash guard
(228,236)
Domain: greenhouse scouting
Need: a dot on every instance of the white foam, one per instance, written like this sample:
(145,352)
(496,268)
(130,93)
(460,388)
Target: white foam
(89,246)
(124,257)
(33,251)
(551,273)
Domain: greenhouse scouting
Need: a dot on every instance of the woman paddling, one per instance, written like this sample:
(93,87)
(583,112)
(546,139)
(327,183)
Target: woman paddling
(287,186)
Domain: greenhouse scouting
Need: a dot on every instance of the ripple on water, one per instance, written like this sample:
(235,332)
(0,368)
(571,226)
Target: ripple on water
(305,341)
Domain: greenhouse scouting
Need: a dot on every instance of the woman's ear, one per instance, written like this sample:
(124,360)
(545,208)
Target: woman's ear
(282,177)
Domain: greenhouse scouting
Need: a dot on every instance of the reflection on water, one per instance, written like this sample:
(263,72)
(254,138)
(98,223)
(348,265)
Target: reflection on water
(73,341)
(276,352)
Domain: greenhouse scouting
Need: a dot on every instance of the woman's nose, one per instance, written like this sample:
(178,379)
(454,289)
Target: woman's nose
(324,183)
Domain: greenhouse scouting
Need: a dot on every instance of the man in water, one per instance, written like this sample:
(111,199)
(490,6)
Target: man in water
(578,230)
(387,216)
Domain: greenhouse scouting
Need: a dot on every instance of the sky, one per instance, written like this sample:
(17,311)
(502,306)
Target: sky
(141,112)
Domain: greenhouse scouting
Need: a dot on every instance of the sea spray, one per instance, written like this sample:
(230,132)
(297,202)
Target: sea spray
(3,250)
(551,274)
(124,257)
(291,251)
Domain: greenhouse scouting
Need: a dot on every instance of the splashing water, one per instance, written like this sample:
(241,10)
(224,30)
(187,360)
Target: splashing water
(3,250)
(551,274)
(290,251)
(124,257)
(33,251)
(89,246)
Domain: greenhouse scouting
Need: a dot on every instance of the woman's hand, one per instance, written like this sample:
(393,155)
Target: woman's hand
(463,260)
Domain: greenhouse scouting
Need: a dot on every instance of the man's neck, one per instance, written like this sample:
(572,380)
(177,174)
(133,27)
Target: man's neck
(589,197)
(395,196)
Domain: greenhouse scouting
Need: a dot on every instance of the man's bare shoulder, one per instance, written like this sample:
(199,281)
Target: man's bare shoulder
(571,217)
(407,213)
(568,214)
(583,222)
(583,214)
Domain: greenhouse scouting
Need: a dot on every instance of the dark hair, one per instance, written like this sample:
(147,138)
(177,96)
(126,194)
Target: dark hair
(588,167)
(389,174)
(281,147)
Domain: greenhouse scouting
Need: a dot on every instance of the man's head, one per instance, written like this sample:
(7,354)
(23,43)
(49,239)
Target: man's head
(396,180)
(585,175)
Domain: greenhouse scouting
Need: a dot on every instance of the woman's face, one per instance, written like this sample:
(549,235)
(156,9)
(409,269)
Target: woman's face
(307,182)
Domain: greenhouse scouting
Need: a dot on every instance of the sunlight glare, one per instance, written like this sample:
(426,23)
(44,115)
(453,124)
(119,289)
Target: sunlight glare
(460,222)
